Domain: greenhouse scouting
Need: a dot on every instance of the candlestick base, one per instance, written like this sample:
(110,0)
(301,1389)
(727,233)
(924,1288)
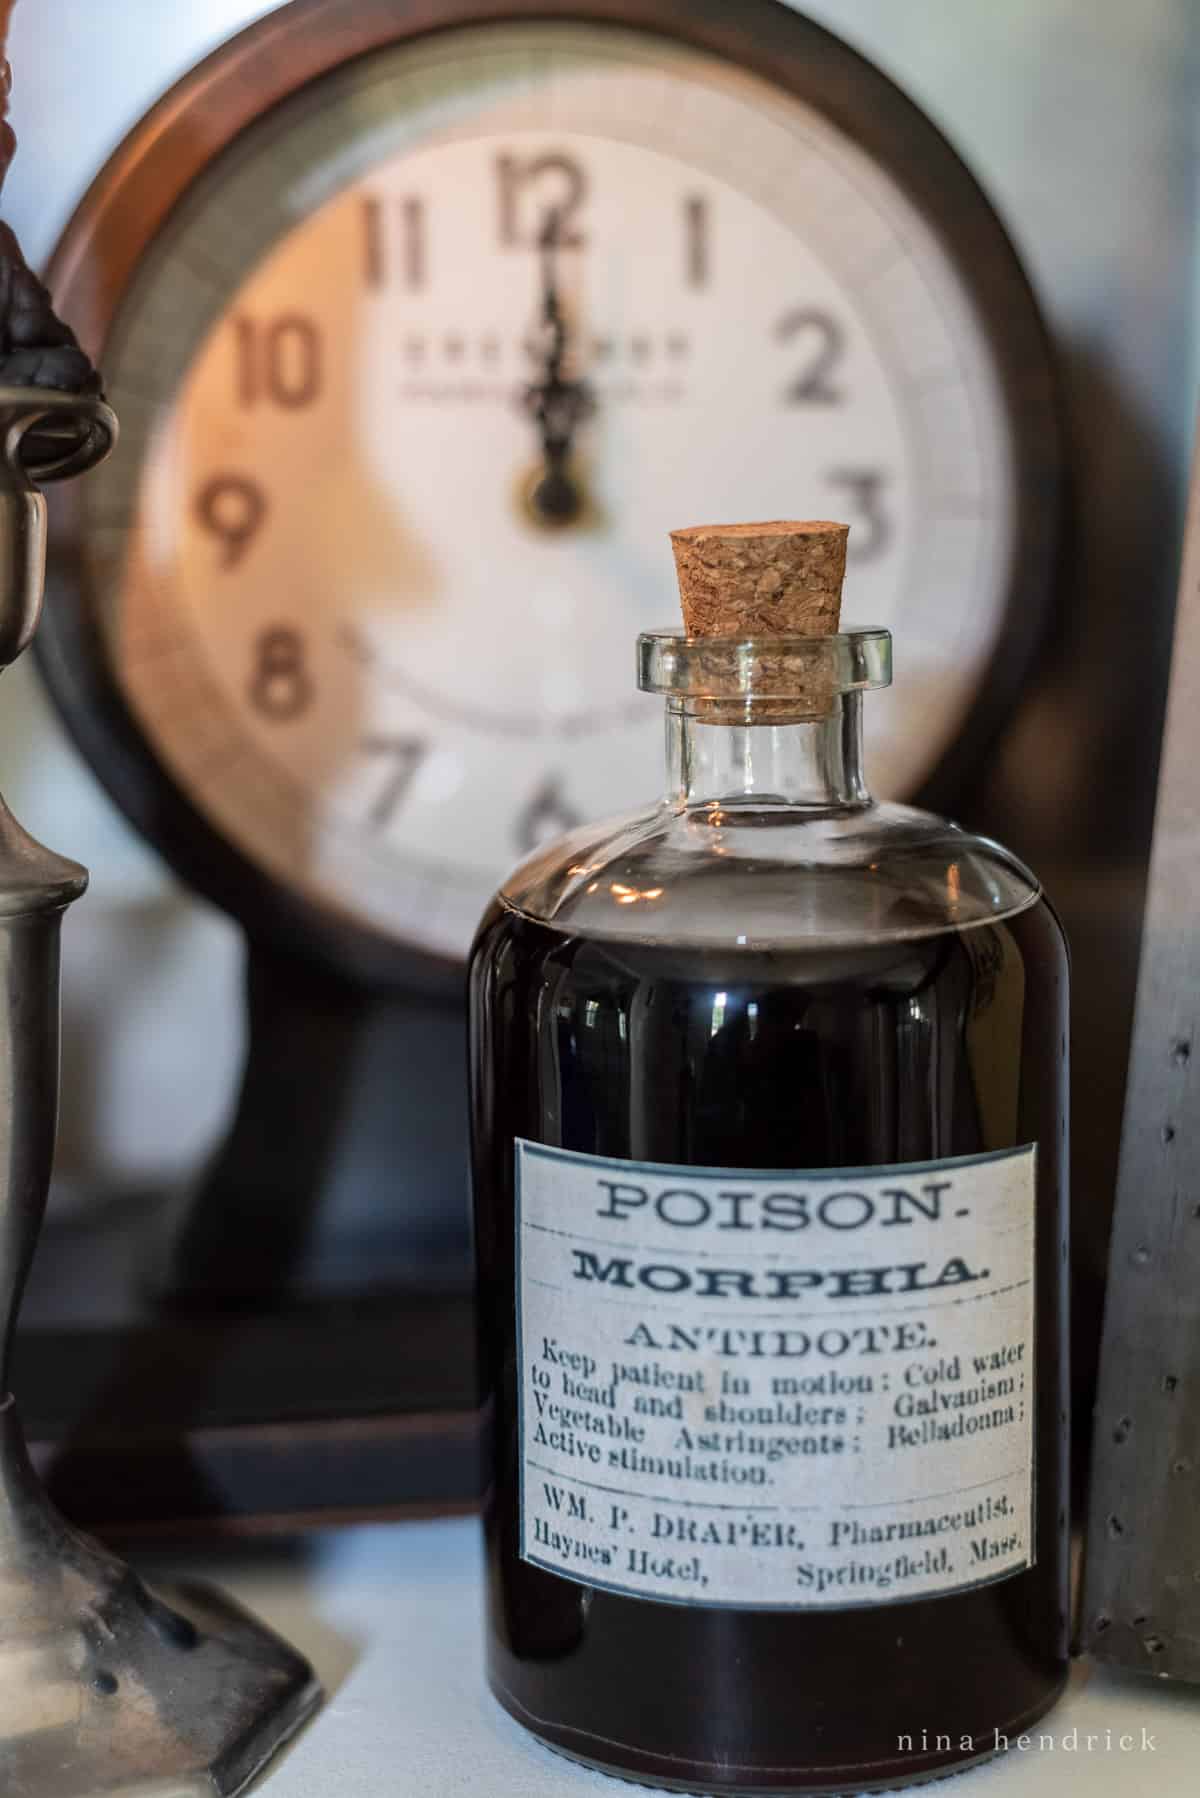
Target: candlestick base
(108,1690)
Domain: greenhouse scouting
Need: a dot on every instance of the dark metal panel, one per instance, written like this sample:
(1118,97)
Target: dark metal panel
(1142,1588)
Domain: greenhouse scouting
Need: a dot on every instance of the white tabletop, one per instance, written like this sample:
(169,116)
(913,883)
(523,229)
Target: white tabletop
(390,1616)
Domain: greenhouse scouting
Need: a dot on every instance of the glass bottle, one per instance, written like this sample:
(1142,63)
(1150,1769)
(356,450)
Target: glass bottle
(769,1134)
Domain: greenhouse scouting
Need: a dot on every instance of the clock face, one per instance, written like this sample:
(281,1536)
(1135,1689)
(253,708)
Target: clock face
(324,590)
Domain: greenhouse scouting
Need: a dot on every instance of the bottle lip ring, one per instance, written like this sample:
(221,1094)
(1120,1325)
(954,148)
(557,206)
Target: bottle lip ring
(856,660)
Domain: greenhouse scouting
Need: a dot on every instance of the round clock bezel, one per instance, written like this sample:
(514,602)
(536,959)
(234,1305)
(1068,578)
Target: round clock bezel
(272,62)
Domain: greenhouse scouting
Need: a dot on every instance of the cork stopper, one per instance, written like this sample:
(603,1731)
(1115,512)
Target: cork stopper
(782,579)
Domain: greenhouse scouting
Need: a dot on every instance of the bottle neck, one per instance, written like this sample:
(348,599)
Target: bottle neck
(809,764)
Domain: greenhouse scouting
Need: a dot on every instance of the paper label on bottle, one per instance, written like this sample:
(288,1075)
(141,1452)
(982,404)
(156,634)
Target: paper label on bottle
(780,1391)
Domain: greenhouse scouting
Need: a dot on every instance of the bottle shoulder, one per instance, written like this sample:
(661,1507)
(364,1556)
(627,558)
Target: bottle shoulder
(762,876)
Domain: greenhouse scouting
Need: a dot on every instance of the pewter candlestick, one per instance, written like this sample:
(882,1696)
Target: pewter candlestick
(105,1688)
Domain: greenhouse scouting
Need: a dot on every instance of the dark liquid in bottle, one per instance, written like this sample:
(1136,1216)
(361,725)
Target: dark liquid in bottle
(917,1050)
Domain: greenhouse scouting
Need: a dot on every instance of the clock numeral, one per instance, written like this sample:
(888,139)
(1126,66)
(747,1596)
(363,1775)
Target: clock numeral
(233,508)
(812,386)
(279,361)
(404,755)
(695,240)
(546,815)
(280,686)
(529,189)
(402,245)
(864,488)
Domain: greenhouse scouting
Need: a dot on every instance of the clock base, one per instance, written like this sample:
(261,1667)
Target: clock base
(145,1419)
(344,1168)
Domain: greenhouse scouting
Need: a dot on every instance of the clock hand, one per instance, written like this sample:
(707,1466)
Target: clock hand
(557,403)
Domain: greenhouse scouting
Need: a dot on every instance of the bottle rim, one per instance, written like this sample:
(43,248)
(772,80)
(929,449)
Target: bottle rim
(856,660)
